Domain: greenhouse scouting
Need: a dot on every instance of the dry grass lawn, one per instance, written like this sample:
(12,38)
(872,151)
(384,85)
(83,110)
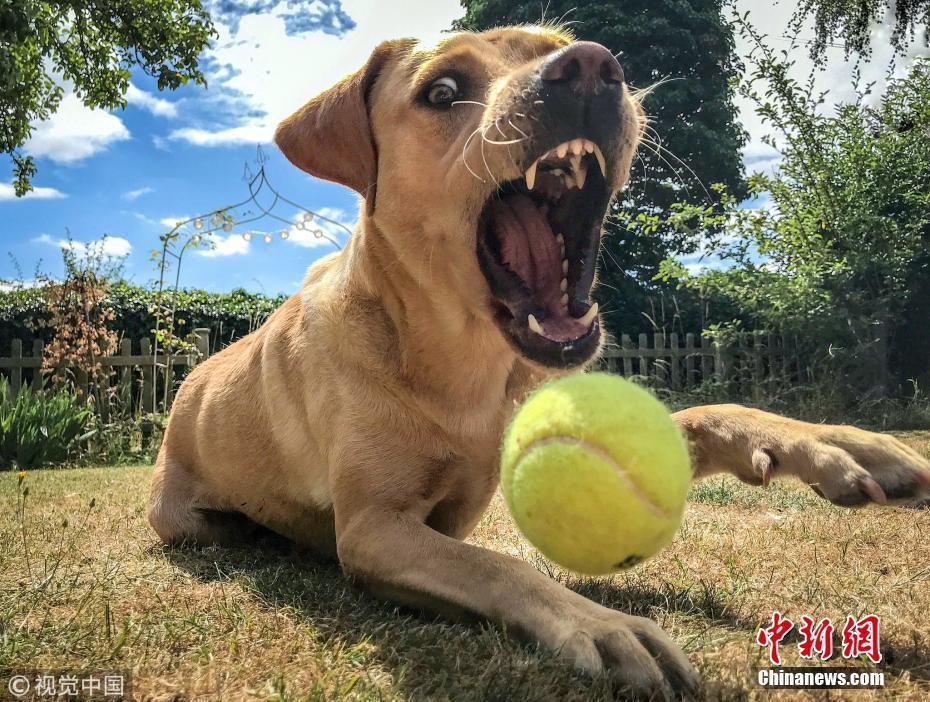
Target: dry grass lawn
(93,588)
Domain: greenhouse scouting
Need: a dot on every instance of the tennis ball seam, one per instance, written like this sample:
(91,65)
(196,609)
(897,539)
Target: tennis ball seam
(602,454)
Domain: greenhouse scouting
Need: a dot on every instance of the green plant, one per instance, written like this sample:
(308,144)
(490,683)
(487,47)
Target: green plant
(840,255)
(38,428)
(91,45)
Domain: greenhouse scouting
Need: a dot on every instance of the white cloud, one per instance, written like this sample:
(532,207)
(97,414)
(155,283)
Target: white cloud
(132,195)
(232,245)
(8,193)
(172,222)
(113,246)
(307,237)
(247,134)
(265,86)
(75,132)
(151,103)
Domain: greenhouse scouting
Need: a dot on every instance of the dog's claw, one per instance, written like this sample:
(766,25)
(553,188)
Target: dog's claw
(871,489)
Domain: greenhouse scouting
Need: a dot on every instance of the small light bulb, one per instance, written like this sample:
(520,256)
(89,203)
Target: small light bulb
(198,223)
(227,226)
(308,216)
(268,238)
(285,233)
(216,218)
(318,233)
(301,225)
(247,236)
(195,239)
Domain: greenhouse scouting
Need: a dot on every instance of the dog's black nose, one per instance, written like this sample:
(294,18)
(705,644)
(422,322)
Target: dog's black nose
(587,67)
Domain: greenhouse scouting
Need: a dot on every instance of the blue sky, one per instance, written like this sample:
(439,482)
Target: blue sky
(130,174)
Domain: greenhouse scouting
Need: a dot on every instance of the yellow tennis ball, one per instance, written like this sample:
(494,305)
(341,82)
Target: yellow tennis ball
(595,472)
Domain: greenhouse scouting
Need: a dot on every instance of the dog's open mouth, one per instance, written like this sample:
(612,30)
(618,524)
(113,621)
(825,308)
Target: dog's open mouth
(537,245)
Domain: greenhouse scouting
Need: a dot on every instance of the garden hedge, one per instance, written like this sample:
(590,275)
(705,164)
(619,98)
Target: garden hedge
(229,316)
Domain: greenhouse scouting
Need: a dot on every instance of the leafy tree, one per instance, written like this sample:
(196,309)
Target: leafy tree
(682,53)
(93,45)
(842,255)
(852,20)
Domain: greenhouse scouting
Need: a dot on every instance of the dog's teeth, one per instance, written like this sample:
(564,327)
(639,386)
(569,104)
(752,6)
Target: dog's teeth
(534,325)
(581,175)
(531,175)
(569,181)
(563,286)
(564,266)
(589,316)
(557,172)
(600,160)
(588,147)
(564,300)
(561,239)
(561,150)
(578,147)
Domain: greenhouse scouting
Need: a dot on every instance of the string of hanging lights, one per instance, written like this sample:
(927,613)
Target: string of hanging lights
(205,231)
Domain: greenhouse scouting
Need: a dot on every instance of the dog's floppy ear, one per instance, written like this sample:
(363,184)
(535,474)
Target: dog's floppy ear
(330,137)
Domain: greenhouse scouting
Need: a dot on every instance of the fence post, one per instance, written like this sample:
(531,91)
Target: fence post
(689,359)
(660,365)
(148,377)
(720,362)
(38,349)
(643,361)
(203,343)
(16,371)
(627,345)
(706,353)
(675,356)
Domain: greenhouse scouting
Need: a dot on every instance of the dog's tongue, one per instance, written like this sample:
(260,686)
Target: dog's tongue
(529,247)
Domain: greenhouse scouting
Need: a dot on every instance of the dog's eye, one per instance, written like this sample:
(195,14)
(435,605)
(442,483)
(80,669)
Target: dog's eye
(443,91)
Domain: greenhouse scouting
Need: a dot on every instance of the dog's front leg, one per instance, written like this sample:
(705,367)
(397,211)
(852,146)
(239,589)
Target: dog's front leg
(843,464)
(390,550)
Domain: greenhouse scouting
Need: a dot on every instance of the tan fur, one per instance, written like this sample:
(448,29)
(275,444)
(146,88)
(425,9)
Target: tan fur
(363,419)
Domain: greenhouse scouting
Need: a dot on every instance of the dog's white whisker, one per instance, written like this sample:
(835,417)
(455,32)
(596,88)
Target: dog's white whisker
(465,154)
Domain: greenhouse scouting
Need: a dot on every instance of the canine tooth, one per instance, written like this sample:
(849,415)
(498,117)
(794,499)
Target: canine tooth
(561,150)
(589,315)
(534,325)
(581,175)
(561,239)
(588,147)
(564,300)
(564,266)
(531,175)
(578,147)
(600,160)
(563,286)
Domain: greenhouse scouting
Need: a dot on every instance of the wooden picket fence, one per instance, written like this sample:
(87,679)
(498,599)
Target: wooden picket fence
(680,363)
(671,361)
(137,375)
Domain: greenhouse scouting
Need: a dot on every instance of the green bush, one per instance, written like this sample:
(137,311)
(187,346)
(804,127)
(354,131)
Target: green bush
(39,428)
(229,316)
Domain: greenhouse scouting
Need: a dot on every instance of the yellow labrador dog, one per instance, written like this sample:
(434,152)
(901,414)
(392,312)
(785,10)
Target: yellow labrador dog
(363,419)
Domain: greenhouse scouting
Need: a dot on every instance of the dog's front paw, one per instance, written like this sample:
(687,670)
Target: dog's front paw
(851,467)
(632,650)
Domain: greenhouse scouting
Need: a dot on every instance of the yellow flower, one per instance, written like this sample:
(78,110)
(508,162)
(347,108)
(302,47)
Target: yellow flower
(22,475)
